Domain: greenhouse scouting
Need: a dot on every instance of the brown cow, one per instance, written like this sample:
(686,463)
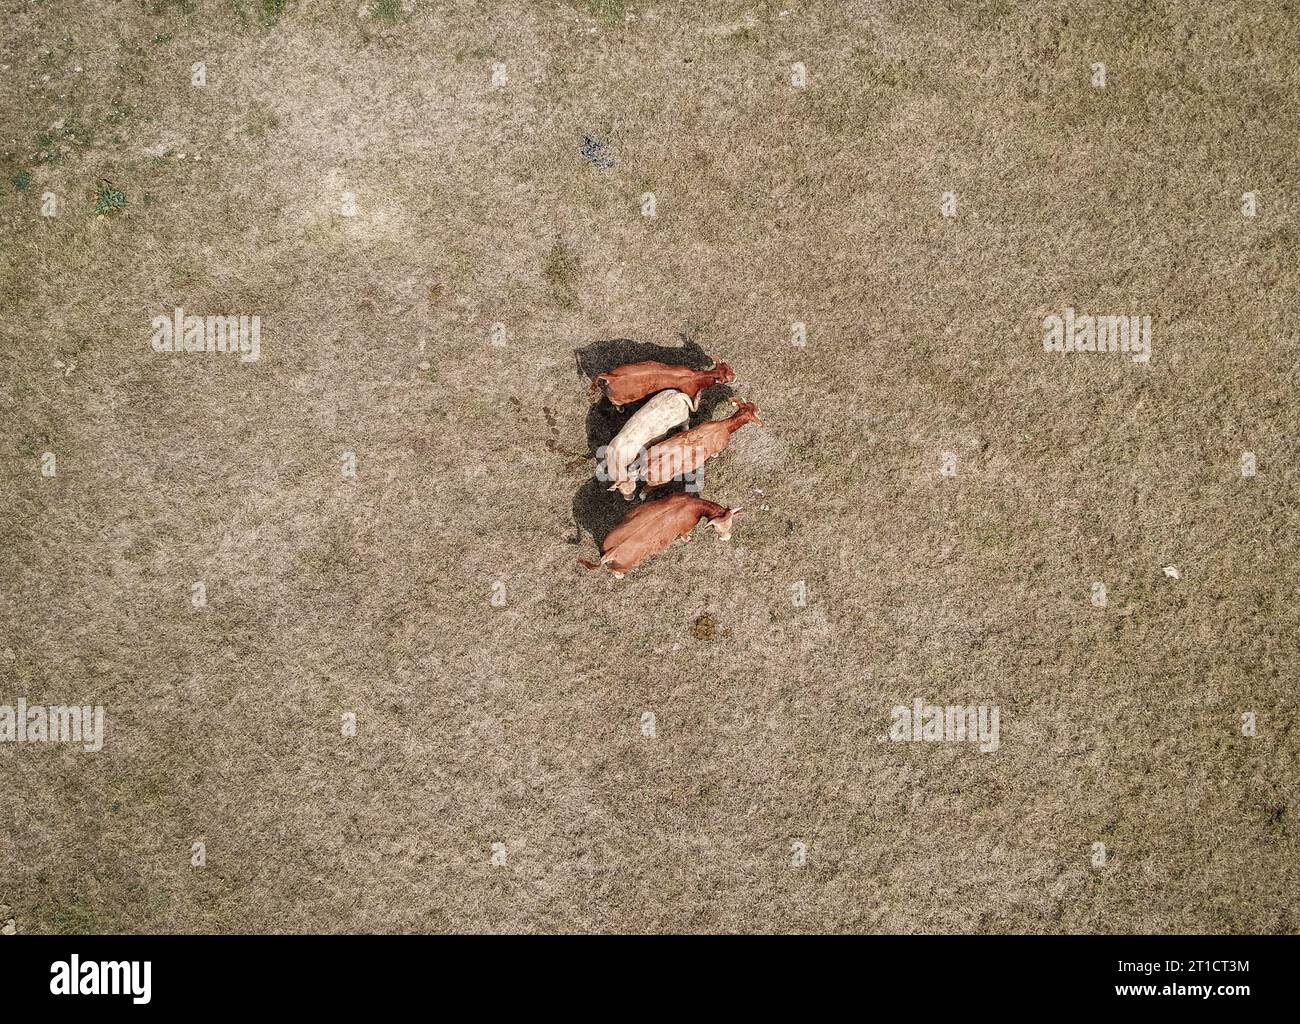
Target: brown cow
(650,528)
(633,382)
(686,452)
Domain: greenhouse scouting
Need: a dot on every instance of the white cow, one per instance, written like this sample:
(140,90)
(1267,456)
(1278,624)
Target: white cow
(663,413)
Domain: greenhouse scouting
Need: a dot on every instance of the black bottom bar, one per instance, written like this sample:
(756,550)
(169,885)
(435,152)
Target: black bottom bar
(1185,973)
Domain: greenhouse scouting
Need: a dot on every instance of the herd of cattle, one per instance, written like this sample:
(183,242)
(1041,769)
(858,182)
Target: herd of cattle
(633,455)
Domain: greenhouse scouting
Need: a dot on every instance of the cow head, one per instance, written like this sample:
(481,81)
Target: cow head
(749,410)
(722,523)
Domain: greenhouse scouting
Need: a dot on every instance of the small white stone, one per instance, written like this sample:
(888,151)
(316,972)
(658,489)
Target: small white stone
(1172,572)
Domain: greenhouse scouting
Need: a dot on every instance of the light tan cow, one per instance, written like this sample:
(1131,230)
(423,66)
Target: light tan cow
(663,413)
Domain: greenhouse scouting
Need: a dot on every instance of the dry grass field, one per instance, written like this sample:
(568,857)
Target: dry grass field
(364,181)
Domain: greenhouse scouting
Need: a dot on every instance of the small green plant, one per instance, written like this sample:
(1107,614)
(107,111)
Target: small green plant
(475,53)
(387,10)
(272,10)
(612,12)
(260,122)
(268,12)
(51,145)
(108,200)
(22,179)
(561,271)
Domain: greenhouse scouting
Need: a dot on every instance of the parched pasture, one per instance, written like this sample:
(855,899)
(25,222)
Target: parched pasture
(352,676)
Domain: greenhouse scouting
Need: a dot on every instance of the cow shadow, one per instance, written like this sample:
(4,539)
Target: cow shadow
(597,510)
